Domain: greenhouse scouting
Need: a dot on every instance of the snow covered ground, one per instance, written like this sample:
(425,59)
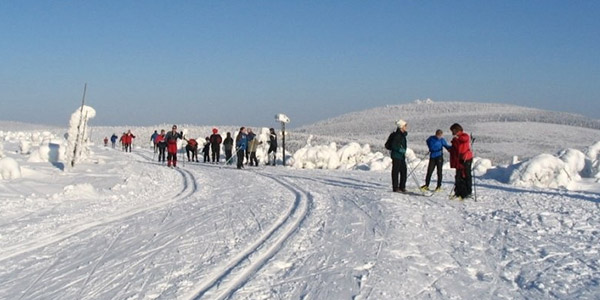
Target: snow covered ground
(122,226)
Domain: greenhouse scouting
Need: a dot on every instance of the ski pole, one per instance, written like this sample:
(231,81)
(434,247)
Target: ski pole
(232,156)
(411,172)
(472,173)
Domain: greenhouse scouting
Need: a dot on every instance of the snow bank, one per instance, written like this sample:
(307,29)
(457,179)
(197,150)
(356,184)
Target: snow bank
(352,156)
(78,135)
(9,168)
(563,170)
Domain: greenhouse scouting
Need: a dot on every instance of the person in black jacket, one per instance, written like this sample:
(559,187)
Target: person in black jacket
(272,146)
(397,145)
(206,150)
(215,145)
(228,145)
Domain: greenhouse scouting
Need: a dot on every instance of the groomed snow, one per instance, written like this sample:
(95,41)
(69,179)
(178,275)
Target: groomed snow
(122,226)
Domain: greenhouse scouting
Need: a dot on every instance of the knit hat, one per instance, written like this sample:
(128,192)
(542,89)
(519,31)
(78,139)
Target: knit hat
(215,130)
(400,123)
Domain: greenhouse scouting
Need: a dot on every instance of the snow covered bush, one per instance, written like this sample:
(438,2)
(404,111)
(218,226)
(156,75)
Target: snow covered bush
(592,168)
(9,168)
(545,170)
(352,156)
(24,147)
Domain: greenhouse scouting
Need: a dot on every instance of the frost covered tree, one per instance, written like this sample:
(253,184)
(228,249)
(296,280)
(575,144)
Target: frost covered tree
(78,135)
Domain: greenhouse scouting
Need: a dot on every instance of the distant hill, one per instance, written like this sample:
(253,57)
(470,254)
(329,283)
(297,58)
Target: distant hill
(501,130)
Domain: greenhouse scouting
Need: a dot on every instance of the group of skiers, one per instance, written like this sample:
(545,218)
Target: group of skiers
(245,144)
(461,159)
(126,141)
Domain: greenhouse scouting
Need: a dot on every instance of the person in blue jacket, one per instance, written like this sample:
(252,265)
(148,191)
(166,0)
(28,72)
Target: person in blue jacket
(113,140)
(241,143)
(436,144)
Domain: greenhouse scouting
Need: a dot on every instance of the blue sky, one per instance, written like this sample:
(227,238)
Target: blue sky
(241,62)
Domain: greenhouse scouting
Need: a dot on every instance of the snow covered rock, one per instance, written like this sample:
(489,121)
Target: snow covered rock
(24,147)
(9,168)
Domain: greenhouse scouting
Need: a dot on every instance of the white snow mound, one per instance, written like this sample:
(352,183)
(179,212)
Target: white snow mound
(546,170)
(9,168)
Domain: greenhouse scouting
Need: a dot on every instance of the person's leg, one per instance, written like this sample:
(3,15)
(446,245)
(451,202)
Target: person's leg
(439,164)
(395,171)
(403,175)
(240,159)
(430,168)
(468,178)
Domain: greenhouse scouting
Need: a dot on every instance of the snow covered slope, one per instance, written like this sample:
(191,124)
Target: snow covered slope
(497,127)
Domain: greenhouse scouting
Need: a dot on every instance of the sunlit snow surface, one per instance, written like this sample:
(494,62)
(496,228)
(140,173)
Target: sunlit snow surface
(122,226)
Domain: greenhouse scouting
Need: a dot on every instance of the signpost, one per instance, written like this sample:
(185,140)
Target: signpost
(284,120)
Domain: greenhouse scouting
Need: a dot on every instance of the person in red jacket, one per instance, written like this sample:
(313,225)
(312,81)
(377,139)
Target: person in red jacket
(171,138)
(161,143)
(461,158)
(128,140)
(192,146)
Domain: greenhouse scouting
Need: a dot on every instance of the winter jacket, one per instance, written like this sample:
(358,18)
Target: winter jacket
(171,137)
(160,141)
(396,143)
(228,143)
(114,138)
(241,141)
(128,138)
(215,141)
(153,137)
(192,143)
(436,146)
(206,147)
(461,150)
(272,142)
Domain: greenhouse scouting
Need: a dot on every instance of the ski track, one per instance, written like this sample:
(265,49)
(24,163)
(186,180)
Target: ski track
(189,188)
(224,282)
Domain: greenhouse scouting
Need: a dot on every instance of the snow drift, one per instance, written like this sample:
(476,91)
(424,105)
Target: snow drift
(9,168)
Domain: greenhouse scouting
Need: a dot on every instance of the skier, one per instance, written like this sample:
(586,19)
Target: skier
(206,149)
(161,144)
(272,146)
(105,141)
(250,135)
(128,140)
(252,146)
(396,143)
(153,139)
(241,144)
(192,146)
(113,140)
(122,140)
(228,145)
(171,139)
(436,144)
(461,158)
(215,145)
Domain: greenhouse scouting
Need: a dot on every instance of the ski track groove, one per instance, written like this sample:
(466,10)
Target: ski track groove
(76,229)
(224,282)
(100,260)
